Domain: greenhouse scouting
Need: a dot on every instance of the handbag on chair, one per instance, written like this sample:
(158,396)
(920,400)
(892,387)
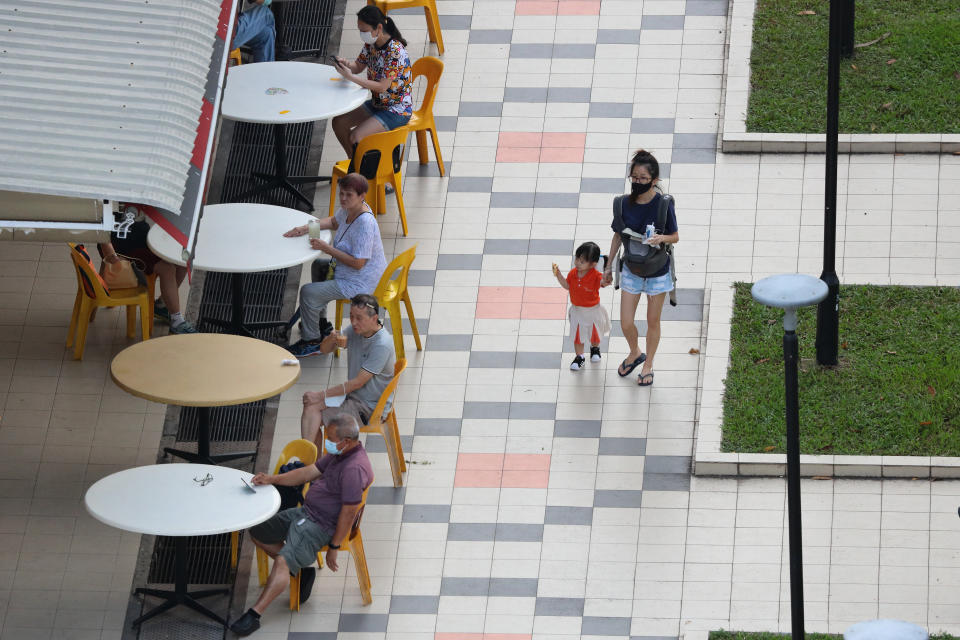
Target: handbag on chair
(125,273)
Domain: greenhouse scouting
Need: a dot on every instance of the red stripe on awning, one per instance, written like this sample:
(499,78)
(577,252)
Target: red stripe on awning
(203,134)
(165,224)
(226,16)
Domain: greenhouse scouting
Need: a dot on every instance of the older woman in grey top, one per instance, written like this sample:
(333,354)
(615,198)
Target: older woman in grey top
(358,251)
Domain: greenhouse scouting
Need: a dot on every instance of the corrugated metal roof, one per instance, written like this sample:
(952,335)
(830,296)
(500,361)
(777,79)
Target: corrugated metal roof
(102,99)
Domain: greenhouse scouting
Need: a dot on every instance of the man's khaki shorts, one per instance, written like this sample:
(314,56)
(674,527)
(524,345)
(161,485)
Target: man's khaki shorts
(302,537)
(351,406)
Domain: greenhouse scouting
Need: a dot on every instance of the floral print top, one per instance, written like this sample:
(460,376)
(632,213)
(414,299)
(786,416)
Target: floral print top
(390,61)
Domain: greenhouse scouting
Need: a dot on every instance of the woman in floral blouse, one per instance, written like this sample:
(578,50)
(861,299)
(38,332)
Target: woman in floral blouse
(389,79)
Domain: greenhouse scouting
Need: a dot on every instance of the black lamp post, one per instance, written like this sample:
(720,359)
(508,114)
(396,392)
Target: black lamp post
(789,292)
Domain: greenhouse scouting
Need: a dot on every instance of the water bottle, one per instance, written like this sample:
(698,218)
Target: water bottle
(313,228)
(650,231)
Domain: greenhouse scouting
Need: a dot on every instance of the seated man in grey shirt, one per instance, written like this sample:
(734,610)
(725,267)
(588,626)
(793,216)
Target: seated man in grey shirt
(370,361)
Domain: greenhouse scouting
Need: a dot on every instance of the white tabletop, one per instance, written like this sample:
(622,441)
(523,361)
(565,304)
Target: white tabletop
(165,500)
(276,92)
(242,238)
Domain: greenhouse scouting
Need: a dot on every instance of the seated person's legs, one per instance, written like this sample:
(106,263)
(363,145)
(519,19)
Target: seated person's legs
(170,277)
(314,298)
(255,28)
(344,124)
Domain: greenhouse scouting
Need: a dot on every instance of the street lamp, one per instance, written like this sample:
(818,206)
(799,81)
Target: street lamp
(790,291)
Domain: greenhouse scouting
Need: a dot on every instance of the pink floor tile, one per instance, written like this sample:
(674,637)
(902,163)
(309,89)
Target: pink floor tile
(500,294)
(542,311)
(520,139)
(554,295)
(536,8)
(524,479)
(578,8)
(499,310)
(527,462)
(560,154)
(563,139)
(479,478)
(522,154)
(480,461)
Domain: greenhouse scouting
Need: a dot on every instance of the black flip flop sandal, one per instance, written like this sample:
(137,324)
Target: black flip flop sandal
(628,368)
(644,376)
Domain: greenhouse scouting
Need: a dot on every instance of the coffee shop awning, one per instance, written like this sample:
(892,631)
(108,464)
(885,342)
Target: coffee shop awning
(105,102)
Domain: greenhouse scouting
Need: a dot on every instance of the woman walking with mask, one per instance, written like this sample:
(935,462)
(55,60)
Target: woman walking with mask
(639,210)
(388,77)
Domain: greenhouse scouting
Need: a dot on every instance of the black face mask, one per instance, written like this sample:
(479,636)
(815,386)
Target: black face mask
(637,189)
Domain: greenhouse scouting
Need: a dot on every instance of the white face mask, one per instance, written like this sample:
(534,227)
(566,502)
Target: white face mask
(368,37)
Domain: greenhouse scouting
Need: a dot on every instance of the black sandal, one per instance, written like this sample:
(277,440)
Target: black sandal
(642,377)
(628,368)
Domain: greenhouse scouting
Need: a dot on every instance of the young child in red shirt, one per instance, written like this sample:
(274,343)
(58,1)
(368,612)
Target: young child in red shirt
(587,315)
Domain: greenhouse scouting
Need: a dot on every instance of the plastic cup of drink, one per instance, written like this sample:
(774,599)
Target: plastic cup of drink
(313,227)
(342,341)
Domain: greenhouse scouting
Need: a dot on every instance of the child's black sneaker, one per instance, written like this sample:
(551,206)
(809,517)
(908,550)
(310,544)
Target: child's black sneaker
(594,354)
(577,363)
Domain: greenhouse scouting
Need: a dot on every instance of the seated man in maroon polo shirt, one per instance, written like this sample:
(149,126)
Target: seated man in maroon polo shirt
(294,536)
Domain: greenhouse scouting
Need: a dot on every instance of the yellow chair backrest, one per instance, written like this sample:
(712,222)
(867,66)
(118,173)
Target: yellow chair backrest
(304,450)
(390,286)
(385,143)
(431,68)
(376,417)
(88,280)
(363,504)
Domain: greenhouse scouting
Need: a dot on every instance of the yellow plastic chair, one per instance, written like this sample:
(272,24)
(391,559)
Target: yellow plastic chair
(353,544)
(304,451)
(387,426)
(422,119)
(389,293)
(91,295)
(236,56)
(429,11)
(385,143)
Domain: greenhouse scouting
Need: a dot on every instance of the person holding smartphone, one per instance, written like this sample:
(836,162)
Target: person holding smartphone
(388,76)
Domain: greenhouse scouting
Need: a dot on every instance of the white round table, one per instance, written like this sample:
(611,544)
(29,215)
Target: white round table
(177,500)
(278,93)
(240,238)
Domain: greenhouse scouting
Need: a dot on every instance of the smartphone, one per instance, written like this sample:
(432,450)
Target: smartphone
(333,59)
(248,485)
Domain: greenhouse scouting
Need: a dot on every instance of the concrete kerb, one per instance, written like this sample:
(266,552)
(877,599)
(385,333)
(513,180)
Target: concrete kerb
(709,460)
(736,139)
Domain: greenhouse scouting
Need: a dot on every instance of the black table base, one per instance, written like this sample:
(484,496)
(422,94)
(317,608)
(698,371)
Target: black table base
(280,179)
(203,455)
(179,594)
(235,325)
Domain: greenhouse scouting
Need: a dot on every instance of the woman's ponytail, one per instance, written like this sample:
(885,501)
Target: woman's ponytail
(392,29)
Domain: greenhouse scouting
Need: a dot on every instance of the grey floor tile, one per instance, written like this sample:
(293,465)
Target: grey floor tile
(471,531)
(588,51)
(692,312)
(568,515)
(652,125)
(446,123)
(706,8)
(618,36)
(524,50)
(426,513)
(376,444)
(654,637)
(437,426)
(459,261)
(618,498)
(469,184)
(603,185)
(559,607)
(525,94)
(666,464)
(414,604)
(429,170)
(568,94)
(312,635)
(480,109)
(692,156)
(666,481)
(533,410)
(487,410)
(421,277)
(386,495)
(505,247)
(449,342)
(599,626)
(611,110)
(464,586)
(664,169)
(511,199)
(695,141)
(363,622)
(661,22)
(550,247)
(690,296)
(458,23)
(513,587)
(512,532)
(576,429)
(623,446)
(549,200)
(491,36)
(537,360)
(492,359)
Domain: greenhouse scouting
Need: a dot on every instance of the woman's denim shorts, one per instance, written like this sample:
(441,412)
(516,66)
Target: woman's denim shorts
(387,118)
(650,286)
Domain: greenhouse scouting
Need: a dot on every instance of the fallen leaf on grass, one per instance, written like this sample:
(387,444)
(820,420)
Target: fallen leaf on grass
(762,360)
(891,60)
(854,67)
(892,353)
(843,345)
(771,321)
(926,423)
(875,41)
(886,106)
(931,390)
(770,448)
(806,13)
(693,351)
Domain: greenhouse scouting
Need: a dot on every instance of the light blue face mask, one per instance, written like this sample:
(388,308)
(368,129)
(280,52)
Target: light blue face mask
(331,447)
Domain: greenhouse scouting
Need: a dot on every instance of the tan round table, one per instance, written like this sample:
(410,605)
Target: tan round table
(204,370)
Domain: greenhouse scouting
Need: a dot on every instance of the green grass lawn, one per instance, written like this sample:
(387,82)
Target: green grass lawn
(744,635)
(916,93)
(895,391)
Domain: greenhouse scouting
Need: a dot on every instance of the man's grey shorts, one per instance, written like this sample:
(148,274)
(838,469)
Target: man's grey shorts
(302,537)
